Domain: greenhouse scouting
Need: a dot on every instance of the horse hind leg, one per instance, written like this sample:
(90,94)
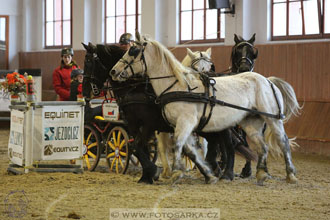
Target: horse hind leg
(277,136)
(253,128)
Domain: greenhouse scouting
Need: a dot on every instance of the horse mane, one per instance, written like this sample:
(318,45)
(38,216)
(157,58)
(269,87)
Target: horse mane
(172,64)
(109,54)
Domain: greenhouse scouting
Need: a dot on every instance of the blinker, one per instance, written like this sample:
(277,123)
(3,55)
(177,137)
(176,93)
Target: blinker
(134,51)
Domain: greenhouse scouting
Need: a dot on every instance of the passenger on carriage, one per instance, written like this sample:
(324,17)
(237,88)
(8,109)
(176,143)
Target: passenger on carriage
(62,74)
(76,84)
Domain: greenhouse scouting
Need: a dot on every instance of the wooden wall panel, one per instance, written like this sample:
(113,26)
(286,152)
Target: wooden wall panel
(304,65)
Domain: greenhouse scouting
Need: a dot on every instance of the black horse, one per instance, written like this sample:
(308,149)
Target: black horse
(136,99)
(242,58)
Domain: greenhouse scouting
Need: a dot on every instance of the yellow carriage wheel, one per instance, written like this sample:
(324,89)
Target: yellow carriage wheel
(116,150)
(91,148)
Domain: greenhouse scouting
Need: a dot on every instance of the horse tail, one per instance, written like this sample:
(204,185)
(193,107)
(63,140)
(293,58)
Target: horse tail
(291,105)
(272,142)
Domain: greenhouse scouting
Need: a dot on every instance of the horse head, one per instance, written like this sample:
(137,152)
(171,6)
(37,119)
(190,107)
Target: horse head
(132,63)
(99,60)
(243,54)
(199,61)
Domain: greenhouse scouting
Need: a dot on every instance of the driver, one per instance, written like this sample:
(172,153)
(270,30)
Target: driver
(126,41)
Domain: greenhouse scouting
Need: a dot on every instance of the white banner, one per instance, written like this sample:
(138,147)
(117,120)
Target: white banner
(61,126)
(16,137)
(110,111)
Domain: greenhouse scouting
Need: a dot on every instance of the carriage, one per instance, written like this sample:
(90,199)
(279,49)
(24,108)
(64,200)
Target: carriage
(106,139)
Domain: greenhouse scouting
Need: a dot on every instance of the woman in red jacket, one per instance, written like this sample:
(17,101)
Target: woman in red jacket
(62,74)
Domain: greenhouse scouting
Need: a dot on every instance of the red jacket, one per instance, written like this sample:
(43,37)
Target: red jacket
(62,81)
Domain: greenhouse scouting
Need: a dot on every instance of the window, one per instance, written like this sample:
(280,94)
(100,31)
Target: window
(300,19)
(199,24)
(58,23)
(121,16)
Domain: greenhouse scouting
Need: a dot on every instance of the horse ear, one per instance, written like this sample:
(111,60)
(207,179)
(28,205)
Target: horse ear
(253,38)
(236,39)
(85,46)
(209,51)
(137,36)
(190,53)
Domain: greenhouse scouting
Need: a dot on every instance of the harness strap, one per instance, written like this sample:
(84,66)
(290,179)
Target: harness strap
(216,101)
(203,120)
(280,115)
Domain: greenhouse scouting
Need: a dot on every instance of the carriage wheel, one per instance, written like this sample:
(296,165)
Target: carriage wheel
(116,150)
(91,148)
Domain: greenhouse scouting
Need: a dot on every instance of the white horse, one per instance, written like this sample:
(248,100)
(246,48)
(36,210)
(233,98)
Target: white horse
(200,61)
(249,90)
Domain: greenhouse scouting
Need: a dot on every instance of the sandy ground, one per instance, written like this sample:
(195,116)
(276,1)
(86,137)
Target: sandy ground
(90,195)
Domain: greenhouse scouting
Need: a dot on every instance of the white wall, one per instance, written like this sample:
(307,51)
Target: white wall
(13,9)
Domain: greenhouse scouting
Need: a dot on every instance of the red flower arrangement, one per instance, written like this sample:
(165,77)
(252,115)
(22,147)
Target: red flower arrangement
(14,84)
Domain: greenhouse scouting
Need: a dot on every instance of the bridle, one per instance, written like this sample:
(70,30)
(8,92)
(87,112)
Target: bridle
(134,51)
(90,75)
(197,60)
(244,58)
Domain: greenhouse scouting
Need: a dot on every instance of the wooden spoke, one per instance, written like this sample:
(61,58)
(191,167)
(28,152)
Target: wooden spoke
(111,155)
(87,162)
(111,146)
(92,145)
(91,154)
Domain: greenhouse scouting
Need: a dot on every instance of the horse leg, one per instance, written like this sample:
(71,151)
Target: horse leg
(192,153)
(211,156)
(253,128)
(226,140)
(183,130)
(149,169)
(163,139)
(247,170)
(276,133)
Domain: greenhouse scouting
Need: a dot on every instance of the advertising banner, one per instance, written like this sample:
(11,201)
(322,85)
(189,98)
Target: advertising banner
(61,127)
(16,137)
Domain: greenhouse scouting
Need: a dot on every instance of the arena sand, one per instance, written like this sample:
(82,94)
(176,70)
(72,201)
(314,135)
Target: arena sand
(90,195)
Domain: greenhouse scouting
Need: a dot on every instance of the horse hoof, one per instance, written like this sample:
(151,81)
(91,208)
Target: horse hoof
(261,177)
(227,176)
(245,174)
(145,180)
(177,175)
(166,174)
(291,179)
(157,174)
(211,180)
